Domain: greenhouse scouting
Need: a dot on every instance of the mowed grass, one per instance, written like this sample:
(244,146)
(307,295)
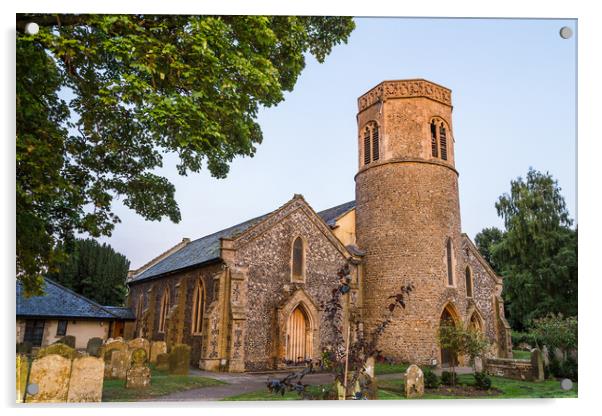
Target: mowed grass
(162,383)
(521,355)
(511,389)
(394,390)
(383,368)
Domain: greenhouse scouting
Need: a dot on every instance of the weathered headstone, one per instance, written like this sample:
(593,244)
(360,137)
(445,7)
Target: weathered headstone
(94,346)
(118,365)
(50,375)
(478,364)
(157,347)
(67,340)
(136,343)
(86,380)
(537,364)
(138,375)
(414,382)
(162,362)
(22,367)
(60,349)
(179,359)
(106,352)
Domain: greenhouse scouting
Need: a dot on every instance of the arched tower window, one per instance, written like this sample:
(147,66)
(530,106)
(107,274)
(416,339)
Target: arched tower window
(434,146)
(371,143)
(468,282)
(164,310)
(443,141)
(366,146)
(198,307)
(439,132)
(298,266)
(450,265)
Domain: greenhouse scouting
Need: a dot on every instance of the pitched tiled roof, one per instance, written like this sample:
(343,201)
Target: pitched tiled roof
(330,215)
(206,249)
(121,312)
(60,302)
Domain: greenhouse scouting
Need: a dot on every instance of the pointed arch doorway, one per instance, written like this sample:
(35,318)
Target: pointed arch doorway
(448,358)
(298,342)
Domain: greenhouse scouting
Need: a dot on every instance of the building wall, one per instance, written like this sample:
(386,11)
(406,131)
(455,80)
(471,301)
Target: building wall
(267,259)
(82,330)
(152,292)
(345,228)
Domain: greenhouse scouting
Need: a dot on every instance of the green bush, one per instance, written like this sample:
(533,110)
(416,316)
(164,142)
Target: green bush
(524,337)
(482,381)
(431,380)
(448,378)
(569,369)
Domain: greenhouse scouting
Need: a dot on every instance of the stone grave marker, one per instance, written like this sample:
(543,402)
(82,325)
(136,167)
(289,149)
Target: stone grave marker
(537,364)
(86,380)
(156,348)
(414,382)
(94,346)
(22,368)
(58,349)
(179,359)
(478,364)
(118,365)
(50,374)
(163,361)
(136,343)
(138,375)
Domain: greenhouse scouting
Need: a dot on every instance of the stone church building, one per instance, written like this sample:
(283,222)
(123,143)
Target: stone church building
(250,297)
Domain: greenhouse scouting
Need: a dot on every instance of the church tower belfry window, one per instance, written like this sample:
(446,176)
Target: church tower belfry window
(371,143)
(439,133)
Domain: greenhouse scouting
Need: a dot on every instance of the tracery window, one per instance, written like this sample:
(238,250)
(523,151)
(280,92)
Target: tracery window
(198,307)
(450,265)
(439,133)
(298,267)
(468,282)
(164,310)
(371,143)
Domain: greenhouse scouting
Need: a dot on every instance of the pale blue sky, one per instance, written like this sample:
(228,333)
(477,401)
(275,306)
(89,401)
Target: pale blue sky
(514,88)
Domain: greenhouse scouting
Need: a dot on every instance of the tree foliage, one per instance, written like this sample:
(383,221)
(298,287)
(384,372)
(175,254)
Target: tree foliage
(100,99)
(95,271)
(537,252)
(556,331)
(459,340)
(485,240)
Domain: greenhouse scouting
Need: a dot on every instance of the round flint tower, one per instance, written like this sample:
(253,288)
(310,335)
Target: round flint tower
(408,214)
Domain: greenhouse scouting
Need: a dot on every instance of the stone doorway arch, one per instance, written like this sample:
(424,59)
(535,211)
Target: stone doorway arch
(449,316)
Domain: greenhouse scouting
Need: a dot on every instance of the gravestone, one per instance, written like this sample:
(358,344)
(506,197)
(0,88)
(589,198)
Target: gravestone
(118,365)
(106,352)
(94,346)
(136,343)
(537,365)
(179,359)
(67,340)
(478,364)
(162,362)
(22,367)
(157,347)
(50,375)
(414,382)
(59,349)
(86,380)
(138,375)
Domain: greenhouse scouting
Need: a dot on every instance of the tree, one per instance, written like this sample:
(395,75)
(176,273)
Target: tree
(537,252)
(461,341)
(100,98)
(95,271)
(556,331)
(485,240)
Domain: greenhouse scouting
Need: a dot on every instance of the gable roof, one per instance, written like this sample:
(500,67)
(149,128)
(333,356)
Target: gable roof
(60,302)
(207,249)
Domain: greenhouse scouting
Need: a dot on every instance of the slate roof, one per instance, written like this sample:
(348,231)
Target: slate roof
(121,312)
(206,249)
(60,302)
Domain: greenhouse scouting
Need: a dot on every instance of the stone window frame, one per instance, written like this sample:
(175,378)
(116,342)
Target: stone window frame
(469,278)
(368,143)
(438,121)
(449,260)
(140,306)
(163,311)
(302,278)
(196,327)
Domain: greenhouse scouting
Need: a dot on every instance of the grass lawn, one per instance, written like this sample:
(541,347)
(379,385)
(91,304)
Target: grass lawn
(383,368)
(161,383)
(511,389)
(521,355)
(393,390)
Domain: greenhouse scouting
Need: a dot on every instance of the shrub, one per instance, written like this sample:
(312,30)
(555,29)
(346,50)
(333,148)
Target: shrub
(448,378)
(482,381)
(524,338)
(431,380)
(569,369)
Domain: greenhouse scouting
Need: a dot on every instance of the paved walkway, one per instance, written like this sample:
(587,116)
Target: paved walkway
(246,383)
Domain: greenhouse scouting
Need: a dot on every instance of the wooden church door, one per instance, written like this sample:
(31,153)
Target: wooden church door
(296,349)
